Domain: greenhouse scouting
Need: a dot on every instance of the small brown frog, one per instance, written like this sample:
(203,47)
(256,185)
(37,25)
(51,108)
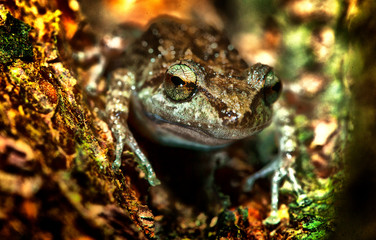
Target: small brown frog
(190,88)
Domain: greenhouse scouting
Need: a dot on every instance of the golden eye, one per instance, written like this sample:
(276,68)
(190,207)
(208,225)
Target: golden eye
(180,82)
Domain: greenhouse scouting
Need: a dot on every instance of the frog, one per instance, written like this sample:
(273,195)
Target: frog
(190,88)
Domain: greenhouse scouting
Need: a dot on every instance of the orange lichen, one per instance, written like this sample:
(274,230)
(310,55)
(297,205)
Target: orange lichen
(49,90)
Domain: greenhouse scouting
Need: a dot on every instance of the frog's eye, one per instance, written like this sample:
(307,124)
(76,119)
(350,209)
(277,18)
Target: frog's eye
(262,78)
(180,82)
(272,88)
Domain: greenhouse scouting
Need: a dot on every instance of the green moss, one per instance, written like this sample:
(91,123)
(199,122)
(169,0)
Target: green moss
(317,219)
(14,39)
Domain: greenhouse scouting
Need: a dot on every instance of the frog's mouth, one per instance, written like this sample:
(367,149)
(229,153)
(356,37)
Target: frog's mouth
(173,134)
(176,134)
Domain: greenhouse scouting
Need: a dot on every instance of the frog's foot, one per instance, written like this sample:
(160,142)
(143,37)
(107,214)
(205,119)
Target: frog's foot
(125,137)
(280,172)
(278,176)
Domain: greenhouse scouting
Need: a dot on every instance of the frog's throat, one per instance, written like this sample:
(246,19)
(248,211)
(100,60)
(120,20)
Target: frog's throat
(180,135)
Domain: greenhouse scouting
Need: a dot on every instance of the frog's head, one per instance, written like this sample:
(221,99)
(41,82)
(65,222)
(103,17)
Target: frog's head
(196,90)
(197,106)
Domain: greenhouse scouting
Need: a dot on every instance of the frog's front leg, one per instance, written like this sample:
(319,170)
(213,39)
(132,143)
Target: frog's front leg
(283,165)
(117,108)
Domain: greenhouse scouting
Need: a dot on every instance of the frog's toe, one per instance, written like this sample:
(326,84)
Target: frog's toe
(248,185)
(153,180)
(273,219)
(303,200)
(116,165)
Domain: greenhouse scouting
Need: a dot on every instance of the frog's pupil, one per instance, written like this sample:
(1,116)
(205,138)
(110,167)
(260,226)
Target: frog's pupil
(177,81)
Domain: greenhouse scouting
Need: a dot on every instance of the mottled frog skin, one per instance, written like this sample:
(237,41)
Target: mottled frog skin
(189,88)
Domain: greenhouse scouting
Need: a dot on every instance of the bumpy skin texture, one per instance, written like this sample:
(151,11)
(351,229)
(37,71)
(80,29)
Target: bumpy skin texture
(225,97)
